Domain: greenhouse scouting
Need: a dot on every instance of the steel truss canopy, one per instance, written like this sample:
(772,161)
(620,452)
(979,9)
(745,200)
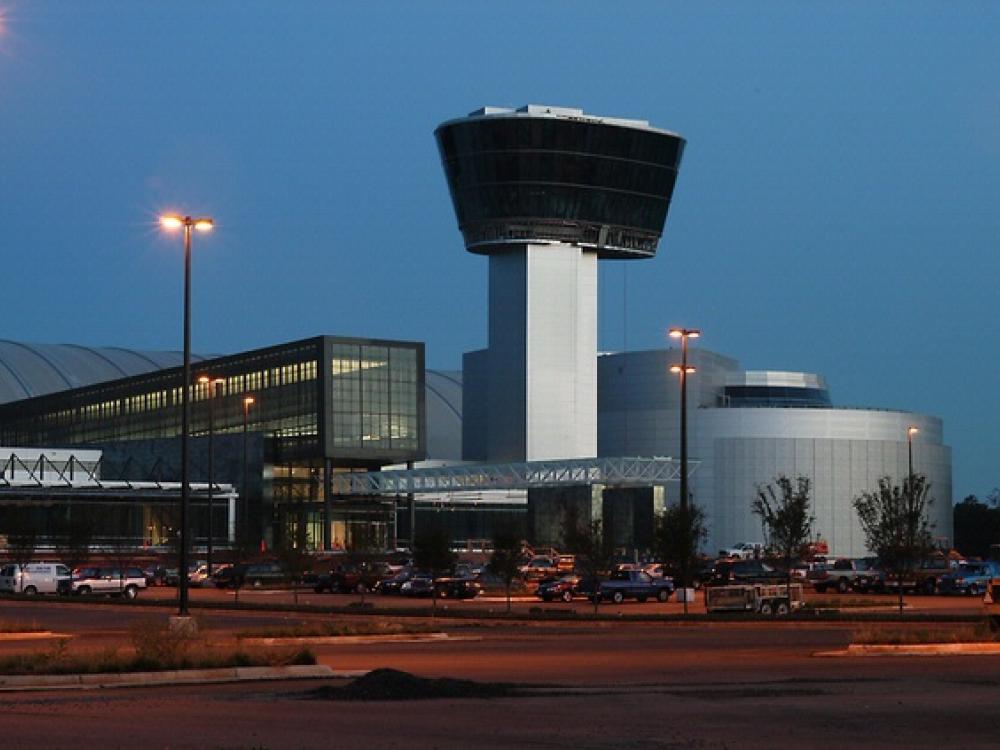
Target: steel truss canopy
(617,472)
(75,478)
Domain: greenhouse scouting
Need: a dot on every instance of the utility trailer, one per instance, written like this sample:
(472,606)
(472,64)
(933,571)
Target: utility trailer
(758,598)
(992,604)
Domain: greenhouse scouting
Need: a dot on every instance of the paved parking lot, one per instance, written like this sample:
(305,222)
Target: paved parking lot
(603,685)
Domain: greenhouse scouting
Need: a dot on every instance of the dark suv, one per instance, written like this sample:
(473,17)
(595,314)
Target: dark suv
(346,579)
(255,575)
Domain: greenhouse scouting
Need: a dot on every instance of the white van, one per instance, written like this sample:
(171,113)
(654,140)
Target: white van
(33,578)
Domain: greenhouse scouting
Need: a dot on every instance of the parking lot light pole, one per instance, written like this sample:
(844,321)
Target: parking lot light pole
(213,392)
(683,370)
(202,224)
(248,401)
(910,432)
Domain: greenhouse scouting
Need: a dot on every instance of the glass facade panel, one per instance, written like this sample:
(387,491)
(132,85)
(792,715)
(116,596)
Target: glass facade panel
(374,393)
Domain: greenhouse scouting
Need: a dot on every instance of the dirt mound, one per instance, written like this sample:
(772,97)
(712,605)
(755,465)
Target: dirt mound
(393,685)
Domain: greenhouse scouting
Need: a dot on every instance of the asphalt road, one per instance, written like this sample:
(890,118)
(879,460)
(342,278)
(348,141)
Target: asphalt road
(607,685)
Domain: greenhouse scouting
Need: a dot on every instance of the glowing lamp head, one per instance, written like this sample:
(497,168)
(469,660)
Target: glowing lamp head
(204,379)
(248,401)
(678,333)
(171,221)
(912,431)
(204,225)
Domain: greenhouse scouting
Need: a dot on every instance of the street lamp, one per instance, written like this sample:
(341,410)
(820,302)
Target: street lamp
(683,370)
(248,401)
(213,385)
(910,432)
(202,224)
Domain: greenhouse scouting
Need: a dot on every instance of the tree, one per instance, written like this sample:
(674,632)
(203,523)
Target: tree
(505,562)
(243,549)
(23,536)
(785,515)
(678,536)
(594,550)
(362,543)
(296,560)
(432,552)
(977,526)
(894,520)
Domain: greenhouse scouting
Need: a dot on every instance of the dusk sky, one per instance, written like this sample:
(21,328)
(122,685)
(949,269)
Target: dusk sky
(837,210)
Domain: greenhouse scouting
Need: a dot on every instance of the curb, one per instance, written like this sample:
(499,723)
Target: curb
(10,683)
(916,649)
(355,640)
(37,635)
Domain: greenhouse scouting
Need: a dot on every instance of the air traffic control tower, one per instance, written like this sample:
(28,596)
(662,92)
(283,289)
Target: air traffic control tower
(546,192)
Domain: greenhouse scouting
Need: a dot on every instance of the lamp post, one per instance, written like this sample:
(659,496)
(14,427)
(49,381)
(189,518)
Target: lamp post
(910,432)
(213,386)
(248,401)
(683,370)
(202,224)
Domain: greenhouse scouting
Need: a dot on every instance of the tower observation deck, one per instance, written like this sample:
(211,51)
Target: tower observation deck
(549,174)
(545,192)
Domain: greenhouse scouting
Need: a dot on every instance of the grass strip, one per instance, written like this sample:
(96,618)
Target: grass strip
(340,628)
(900,636)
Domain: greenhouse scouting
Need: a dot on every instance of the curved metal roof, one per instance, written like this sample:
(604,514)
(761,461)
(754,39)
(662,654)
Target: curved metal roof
(29,370)
(443,389)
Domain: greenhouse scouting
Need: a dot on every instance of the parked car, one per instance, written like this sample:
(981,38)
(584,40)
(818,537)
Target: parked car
(565,563)
(564,587)
(972,578)
(846,574)
(745,571)
(743,550)
(347,579)
(156,575)
(539,567)
(587,587)
(33,578)
(197,573)
(418,586)
(635,584)
(925,578)
(394,583)
(255,575)
(458,588)
(126,582)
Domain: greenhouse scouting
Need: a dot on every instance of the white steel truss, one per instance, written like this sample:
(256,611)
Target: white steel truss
(71,477)
(615,472)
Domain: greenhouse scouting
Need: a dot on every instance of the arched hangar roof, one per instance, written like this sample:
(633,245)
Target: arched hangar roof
(29,370)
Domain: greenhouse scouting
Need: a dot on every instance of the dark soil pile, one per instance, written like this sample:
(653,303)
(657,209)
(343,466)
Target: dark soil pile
(393,685)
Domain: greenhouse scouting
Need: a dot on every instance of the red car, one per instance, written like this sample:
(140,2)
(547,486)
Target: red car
(558,588)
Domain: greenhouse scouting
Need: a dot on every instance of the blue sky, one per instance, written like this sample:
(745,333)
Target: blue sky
(836,211)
